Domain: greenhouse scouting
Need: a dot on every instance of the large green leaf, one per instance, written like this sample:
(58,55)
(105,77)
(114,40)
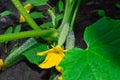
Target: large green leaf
(101,59)
(31,54)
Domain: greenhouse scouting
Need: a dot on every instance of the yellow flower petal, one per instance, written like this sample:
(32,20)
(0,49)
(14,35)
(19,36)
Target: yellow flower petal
(1,64)
(27,7)
(53,58)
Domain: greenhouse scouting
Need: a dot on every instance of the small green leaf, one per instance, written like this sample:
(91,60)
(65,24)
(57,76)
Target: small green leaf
(101,13)
(46,25)
(16,55)
(101,59)
(5,13)
(31,54)
(58,18)
(17,29)
(36,15)
(9,30)
(61,5)
(117,5)
(36,2)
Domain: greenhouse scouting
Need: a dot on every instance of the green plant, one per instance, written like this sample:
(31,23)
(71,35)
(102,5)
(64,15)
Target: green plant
(5,13)
(99,61)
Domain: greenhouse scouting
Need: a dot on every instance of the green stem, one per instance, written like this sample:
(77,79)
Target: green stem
(74,15)
(46,34)
(68,13)
(27,17)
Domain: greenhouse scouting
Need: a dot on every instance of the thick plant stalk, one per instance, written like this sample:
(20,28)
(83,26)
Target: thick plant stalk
(27,17)
(46,34)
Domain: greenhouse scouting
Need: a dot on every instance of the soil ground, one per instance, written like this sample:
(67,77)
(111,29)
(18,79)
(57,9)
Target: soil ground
(87,14)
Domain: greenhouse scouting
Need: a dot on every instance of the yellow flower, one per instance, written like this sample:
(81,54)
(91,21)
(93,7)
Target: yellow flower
(53,58)
(1,64)
(27,7)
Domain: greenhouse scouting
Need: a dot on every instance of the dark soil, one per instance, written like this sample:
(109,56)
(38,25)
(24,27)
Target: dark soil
(87,14)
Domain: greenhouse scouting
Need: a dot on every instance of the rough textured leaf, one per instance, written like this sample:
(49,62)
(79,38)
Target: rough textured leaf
(37,2)
(101,59)
(31,54)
